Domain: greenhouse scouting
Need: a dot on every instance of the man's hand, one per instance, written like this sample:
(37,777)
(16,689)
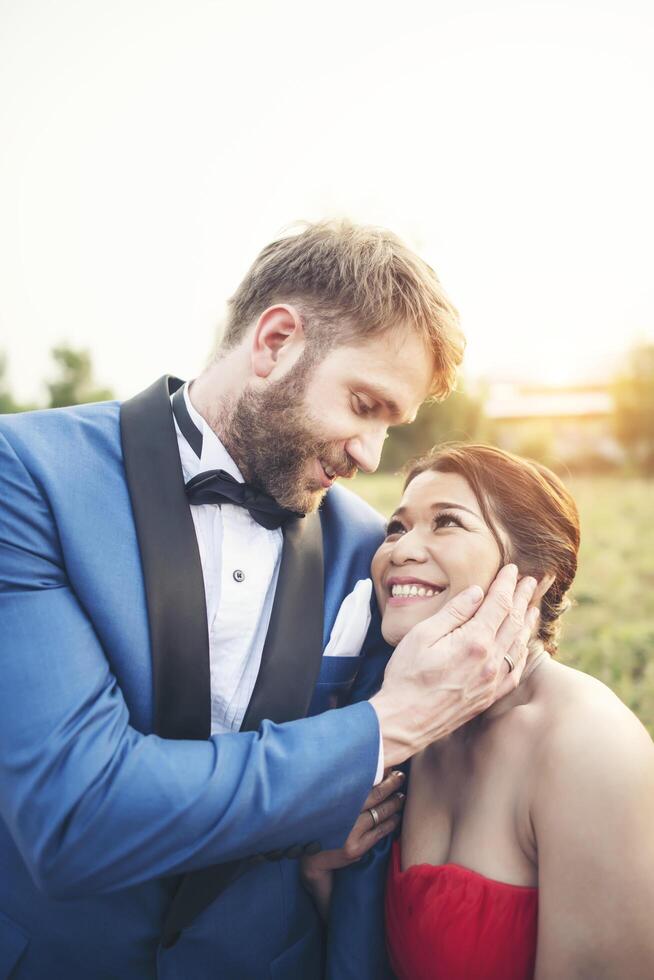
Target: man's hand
(385,801)
(451,667)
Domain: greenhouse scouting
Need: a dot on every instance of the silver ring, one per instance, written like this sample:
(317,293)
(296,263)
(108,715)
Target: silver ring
(375,817)
(509,662)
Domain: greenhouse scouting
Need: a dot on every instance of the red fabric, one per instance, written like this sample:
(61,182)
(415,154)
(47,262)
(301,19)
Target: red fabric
(445,922)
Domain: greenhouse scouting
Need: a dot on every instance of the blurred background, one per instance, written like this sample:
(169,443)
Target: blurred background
(149,149)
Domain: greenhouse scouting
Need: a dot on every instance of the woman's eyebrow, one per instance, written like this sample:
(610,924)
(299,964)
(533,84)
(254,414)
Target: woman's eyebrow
(448,505)
(439,505)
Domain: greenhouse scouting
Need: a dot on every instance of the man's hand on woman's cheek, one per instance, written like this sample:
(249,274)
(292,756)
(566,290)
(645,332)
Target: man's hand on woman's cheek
(455,664)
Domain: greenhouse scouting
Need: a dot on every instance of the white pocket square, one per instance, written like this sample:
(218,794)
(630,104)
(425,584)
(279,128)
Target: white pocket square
(352,622)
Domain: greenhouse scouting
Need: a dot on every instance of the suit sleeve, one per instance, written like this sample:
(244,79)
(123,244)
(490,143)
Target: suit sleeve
(94,805)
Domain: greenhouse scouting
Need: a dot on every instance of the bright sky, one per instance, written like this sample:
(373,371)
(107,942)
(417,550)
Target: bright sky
(149,148)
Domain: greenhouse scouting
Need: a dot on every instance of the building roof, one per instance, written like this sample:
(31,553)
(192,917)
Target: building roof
(507,402)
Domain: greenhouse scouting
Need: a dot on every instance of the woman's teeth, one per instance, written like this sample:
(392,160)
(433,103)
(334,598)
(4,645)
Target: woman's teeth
(412,590)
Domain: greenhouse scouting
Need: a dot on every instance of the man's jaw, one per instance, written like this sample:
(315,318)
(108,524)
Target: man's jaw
(317,479)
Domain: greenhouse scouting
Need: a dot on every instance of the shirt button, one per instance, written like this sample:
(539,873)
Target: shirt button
(239,576)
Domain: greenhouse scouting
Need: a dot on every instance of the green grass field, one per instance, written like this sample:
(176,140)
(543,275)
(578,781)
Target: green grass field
(609,632)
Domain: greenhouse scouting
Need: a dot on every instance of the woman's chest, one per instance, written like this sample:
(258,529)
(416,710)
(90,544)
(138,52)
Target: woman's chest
(468,804)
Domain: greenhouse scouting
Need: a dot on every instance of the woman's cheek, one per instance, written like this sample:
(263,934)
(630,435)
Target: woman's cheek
(377,567)
(480,569)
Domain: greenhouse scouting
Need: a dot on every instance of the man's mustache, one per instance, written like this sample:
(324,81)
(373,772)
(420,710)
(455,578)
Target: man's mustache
(341,462)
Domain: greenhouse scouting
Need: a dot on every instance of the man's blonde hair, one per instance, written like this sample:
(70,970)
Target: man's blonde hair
(350,282)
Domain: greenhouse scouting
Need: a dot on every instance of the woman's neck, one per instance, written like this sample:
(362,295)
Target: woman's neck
(537,659)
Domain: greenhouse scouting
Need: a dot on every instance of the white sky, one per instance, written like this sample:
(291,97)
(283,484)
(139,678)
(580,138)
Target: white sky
(149,148)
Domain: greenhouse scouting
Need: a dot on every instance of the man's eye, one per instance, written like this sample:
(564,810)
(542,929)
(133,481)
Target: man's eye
(361,407)
(394,529)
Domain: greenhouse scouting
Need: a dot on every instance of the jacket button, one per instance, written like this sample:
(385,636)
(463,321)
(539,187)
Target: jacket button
(313,847)
(295,851)
(238,575)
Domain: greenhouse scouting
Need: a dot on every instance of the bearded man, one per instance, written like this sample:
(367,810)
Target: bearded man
(184,711)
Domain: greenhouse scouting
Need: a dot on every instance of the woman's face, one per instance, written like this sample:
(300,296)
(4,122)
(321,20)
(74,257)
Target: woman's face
(437,544)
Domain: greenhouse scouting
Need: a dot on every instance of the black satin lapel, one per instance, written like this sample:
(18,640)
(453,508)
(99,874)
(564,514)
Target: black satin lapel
(171,564)
(290,664)
(292,653)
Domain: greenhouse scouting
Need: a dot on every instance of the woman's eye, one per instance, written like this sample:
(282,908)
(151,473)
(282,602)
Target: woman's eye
(394,529)
(447,520)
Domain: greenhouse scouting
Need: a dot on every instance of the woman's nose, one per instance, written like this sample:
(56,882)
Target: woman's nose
(409,547)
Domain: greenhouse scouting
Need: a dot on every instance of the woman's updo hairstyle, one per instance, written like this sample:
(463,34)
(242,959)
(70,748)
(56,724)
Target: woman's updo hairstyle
(534,509)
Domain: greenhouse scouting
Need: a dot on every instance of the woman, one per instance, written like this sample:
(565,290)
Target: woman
(527,844)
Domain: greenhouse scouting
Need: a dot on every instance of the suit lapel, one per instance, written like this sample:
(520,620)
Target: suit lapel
(171,566)
(290,664)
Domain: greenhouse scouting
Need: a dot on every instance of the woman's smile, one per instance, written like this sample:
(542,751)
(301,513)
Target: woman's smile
(437,544)
(404,590)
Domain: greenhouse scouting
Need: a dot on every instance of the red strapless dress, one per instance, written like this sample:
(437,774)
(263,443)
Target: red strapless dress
(445,922)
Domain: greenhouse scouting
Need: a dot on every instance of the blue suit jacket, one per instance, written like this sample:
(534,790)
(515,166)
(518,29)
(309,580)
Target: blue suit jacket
(112,793)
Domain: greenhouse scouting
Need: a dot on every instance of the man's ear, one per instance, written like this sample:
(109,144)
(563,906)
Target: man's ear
(277,341)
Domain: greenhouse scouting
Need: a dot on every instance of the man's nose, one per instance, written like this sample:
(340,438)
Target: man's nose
(366,449)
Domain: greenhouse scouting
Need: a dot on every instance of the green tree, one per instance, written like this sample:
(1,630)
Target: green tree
(75,384)
(460,417)
(8,404)
(634,408)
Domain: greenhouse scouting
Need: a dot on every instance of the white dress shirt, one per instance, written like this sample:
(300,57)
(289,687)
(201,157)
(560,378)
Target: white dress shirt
(240,566)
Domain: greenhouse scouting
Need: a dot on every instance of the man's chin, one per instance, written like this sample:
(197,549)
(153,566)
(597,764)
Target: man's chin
(306,502)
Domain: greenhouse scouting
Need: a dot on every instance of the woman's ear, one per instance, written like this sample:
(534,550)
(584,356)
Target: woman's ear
(544,584)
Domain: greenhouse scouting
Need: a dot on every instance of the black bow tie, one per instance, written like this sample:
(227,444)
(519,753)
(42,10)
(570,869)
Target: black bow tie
(218,487)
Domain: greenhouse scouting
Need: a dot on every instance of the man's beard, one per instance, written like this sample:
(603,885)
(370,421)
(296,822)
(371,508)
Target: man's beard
(274,440)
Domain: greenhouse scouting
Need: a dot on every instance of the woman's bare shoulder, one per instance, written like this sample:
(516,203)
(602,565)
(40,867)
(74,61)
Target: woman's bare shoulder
(590,738)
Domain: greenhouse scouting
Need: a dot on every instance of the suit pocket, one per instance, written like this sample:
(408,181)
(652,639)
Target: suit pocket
(302,959)
(337,675)
(13,941)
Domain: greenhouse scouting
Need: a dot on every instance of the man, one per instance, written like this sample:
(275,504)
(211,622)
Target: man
(163,627)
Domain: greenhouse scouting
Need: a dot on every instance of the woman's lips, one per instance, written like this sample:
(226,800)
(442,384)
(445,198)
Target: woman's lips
(409,591)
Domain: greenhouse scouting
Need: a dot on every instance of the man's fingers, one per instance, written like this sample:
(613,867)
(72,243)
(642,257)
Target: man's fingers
(514,622)
(498,602)
(518,655)
(454,613)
